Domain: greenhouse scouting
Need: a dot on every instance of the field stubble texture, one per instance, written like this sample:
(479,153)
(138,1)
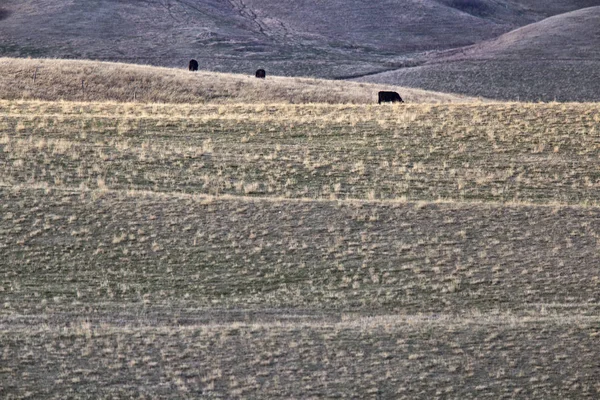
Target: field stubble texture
(299,251)
(515,152)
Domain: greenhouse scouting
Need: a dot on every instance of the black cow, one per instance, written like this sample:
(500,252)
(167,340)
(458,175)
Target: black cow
(390,97)
(260,73)
(193,65)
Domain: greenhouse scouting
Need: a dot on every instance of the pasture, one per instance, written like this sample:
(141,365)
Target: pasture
(300,251)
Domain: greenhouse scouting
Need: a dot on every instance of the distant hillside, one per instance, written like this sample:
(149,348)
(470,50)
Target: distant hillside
(570,36)
(548,7)
(102,81)
(335,38)
(555,59)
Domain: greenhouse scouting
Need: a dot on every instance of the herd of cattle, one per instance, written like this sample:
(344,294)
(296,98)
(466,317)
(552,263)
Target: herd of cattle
(383,96)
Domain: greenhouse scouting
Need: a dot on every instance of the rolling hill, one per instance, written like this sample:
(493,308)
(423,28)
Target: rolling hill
(173,234)
(303,38)
(554,59)
(570,36)
(79,80)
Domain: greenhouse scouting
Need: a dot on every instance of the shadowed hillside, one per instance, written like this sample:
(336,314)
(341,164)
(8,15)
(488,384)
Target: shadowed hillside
(555,59)
(570,36)
(300,38)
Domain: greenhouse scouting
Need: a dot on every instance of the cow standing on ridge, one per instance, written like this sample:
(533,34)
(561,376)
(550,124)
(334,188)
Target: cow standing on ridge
(389,97)
(193,65)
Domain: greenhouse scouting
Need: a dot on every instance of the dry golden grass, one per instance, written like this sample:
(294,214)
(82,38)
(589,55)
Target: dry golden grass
(536,153)
(397,357)
(117,248)
(53,80)
(280,250)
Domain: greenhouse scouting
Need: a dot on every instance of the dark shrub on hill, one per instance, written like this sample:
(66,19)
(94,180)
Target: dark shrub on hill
(4,14)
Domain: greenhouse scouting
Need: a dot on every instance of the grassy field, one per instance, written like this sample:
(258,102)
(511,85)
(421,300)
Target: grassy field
(299,251)
(484,152)
(395,357)
(79,80)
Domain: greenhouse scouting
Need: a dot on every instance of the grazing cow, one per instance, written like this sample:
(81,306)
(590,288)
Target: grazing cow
(389,97)
(260,73)
(193,65)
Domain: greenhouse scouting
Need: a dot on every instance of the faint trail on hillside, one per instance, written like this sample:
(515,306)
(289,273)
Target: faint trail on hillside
(249,14)
(356,76)
(166,4)
(264,28)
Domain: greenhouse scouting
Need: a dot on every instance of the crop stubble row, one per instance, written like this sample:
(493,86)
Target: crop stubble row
(64,249)
(126,229)
(538,153)
(388,358)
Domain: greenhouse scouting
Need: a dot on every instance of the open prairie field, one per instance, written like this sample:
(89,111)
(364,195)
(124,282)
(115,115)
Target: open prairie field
(299,251)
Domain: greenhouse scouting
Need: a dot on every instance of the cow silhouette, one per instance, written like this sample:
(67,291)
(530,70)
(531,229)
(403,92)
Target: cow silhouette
(260,73)
(389,97)
(193,65)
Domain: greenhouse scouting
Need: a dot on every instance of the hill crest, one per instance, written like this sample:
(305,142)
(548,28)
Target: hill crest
(69,80)
(557,59)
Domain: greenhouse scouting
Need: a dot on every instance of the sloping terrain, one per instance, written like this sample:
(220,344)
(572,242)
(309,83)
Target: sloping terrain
(74,80)
(570,36)
(292,251)
(168,234)
(307,37)
(555,59)
(406,26)
(547,7)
